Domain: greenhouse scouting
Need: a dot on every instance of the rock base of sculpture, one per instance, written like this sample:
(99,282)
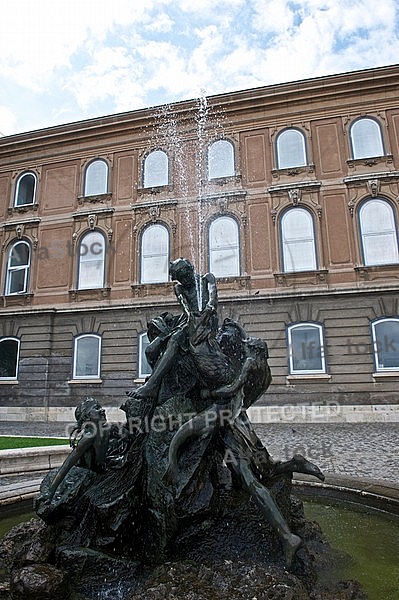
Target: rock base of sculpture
(234,555)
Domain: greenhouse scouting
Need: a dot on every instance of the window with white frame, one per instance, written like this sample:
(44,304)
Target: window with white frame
(298,241)
(291,149)
(144,369)
(87,356)
(366,138)
(25,191)
(9,357)
(306,349)
(96,178)
(378,232)
(221,159)
(91,261)
(224,247)
(155,254)
(156,169)
(385,335)
(18,267)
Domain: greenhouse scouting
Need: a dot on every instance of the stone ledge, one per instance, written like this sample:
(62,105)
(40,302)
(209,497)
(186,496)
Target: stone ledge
(386,375)
(373,493)
(83,381)
(52,414)
(308,377)
(27,460)
(18,492)
(329,412)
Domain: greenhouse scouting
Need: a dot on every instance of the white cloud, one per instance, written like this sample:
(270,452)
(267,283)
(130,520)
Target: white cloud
(272,16)
(7,121)
(92,57)
(312,38)
(209,7)
(162,24)
(211,44)
(112,74)
(166,67)
(37,38)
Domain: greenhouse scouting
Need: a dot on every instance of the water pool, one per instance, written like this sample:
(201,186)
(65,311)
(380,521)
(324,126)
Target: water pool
(370,537)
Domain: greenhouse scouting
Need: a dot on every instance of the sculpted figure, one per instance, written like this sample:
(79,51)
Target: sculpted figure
(228,373)
(244,454)
(222,372)
(193,332)
(203,380)
(95,490)
(90,453)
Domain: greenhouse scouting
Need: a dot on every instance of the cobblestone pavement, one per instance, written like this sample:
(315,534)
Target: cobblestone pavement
(363,450)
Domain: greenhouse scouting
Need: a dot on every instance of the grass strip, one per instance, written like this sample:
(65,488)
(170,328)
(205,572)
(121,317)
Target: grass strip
(12,442)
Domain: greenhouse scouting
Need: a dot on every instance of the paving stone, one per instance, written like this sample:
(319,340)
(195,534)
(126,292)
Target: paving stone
(365,450)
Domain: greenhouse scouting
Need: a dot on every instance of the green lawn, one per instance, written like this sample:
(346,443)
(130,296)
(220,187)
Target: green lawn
(11,442)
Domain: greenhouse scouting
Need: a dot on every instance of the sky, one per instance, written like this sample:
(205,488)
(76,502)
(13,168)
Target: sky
(67,60)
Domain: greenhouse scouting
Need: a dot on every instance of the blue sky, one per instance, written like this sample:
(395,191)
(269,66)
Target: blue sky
(67,60)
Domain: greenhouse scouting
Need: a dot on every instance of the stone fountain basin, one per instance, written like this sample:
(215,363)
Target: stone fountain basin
(379,494)
(340,491)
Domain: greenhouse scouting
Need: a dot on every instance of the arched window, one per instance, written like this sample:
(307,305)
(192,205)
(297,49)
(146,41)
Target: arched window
(18,267)
(366,138)
(91,261)
(224,247)
(298,242)
(25,191)
(87,356)
(155,254)
(96,178)
(378,233)
(144,368)
(221,159)
(385,335)
(306,348)
(156,169)
(9,358)
(291,149)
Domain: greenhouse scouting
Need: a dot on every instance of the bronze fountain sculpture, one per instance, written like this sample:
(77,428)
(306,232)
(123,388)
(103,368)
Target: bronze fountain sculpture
(185,481)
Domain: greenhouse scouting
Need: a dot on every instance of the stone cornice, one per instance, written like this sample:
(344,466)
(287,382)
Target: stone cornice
(26,221)
(152,303)
(367,176)
(93,211)
(231,195)
(153,203)
(138,125)
(283,187)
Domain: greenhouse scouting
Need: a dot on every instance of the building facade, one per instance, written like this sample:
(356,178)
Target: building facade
(288,194)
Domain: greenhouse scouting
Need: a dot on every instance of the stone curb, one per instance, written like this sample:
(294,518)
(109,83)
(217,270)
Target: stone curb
(20,462)
(330,412)
(378,494)
(20,491)
(263,411)
(27,460)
